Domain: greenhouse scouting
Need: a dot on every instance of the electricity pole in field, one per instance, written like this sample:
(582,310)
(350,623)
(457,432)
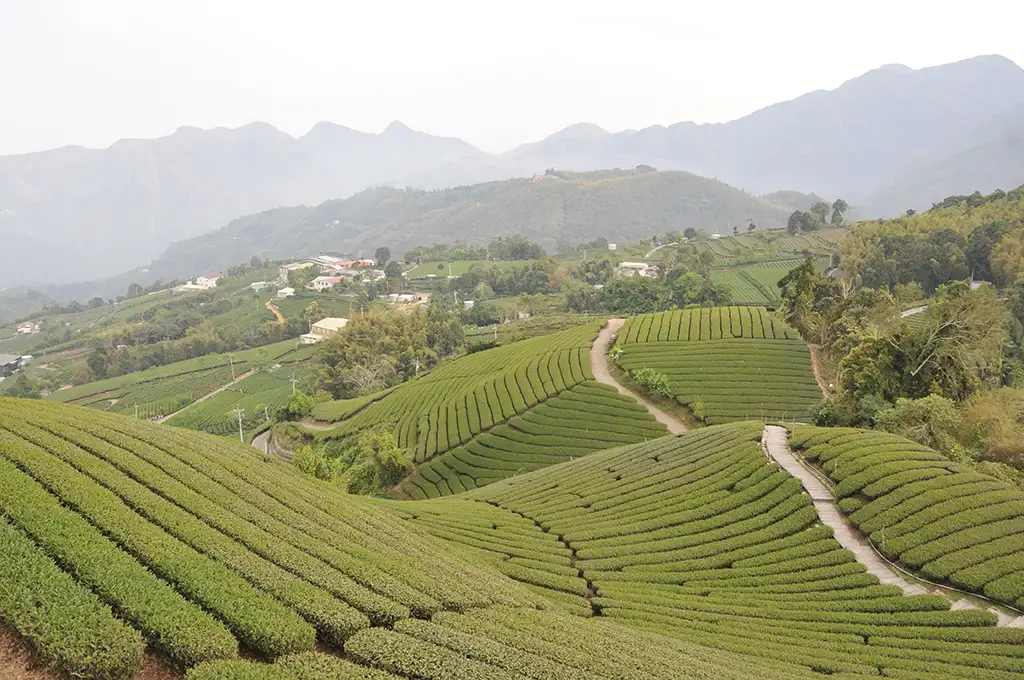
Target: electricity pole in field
(240,412)
(232,362)
(293,381)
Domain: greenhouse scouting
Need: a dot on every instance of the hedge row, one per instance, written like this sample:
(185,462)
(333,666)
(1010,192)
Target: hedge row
(169,621)
(254,617)
(705,323)
(68,625)
(333,618)
(927,512)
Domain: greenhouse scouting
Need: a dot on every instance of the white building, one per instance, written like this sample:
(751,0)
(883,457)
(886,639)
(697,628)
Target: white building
(322,283)
(208,281)
(631,268)
(612,246)
(468,304)
(286,293)
(323,329)
(286,269)
(258,286)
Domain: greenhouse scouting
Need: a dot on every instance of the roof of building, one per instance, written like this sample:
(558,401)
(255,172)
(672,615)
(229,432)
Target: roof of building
(296,265)
(332,323)
(6,359)
(211,277)
(633,265)
(287,290)
(332,279)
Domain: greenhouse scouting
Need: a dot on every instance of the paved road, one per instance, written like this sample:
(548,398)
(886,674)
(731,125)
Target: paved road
(657,248)
(599,365)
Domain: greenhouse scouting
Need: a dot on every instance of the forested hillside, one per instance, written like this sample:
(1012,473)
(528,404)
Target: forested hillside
(619,205)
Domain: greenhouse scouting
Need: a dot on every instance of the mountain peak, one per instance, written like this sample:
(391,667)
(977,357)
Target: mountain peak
(896,68)
(397,127)
(580,131)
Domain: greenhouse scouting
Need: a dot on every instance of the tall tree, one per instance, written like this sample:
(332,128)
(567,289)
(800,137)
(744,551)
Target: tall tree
(382,255)
(839,208)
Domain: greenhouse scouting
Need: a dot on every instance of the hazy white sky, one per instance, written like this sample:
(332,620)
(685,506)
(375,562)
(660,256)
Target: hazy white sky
(493,73)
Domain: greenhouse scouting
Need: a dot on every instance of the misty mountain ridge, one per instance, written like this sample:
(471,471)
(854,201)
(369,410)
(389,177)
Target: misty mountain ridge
(100,212)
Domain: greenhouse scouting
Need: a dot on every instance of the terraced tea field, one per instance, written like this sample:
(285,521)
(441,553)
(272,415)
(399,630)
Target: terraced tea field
(682,557)
(586,418)
(754,285)
(702,537)
(725,363)
(499,412)
(258,395)
(163,390)
(934,516)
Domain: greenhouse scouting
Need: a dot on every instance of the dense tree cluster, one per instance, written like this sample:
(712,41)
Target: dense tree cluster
(385,346)
(980,236)
(820,215)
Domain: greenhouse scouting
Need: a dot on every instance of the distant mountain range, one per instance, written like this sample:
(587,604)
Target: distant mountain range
(621,205)
(892,139)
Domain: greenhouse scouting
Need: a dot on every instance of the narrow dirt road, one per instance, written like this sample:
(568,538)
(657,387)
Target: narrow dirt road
(205,397)
(599,365)
(276,312)
(816,367)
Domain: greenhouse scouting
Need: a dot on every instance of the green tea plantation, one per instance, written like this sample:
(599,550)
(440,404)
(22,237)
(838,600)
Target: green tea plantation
(691,556)
(725,363)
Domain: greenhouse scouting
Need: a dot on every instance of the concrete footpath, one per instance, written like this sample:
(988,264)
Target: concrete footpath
(599,366)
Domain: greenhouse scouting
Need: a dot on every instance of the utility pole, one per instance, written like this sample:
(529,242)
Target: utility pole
(240,412)
(266,414)
(136,410)
(293,381)
(495,332)
(232,362)
(416,363)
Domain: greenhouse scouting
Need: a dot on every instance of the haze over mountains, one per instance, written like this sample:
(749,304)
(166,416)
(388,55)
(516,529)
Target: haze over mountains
(892,139)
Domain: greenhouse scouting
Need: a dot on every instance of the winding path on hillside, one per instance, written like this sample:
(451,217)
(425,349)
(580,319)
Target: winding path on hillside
(164,419)
(599,365)
(776,445)
(275,311)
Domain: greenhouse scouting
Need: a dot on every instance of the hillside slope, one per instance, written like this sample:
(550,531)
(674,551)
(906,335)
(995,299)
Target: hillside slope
(725,363)
(104,211)
(620,205)
(997,164)
(683,557)
(497,413)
